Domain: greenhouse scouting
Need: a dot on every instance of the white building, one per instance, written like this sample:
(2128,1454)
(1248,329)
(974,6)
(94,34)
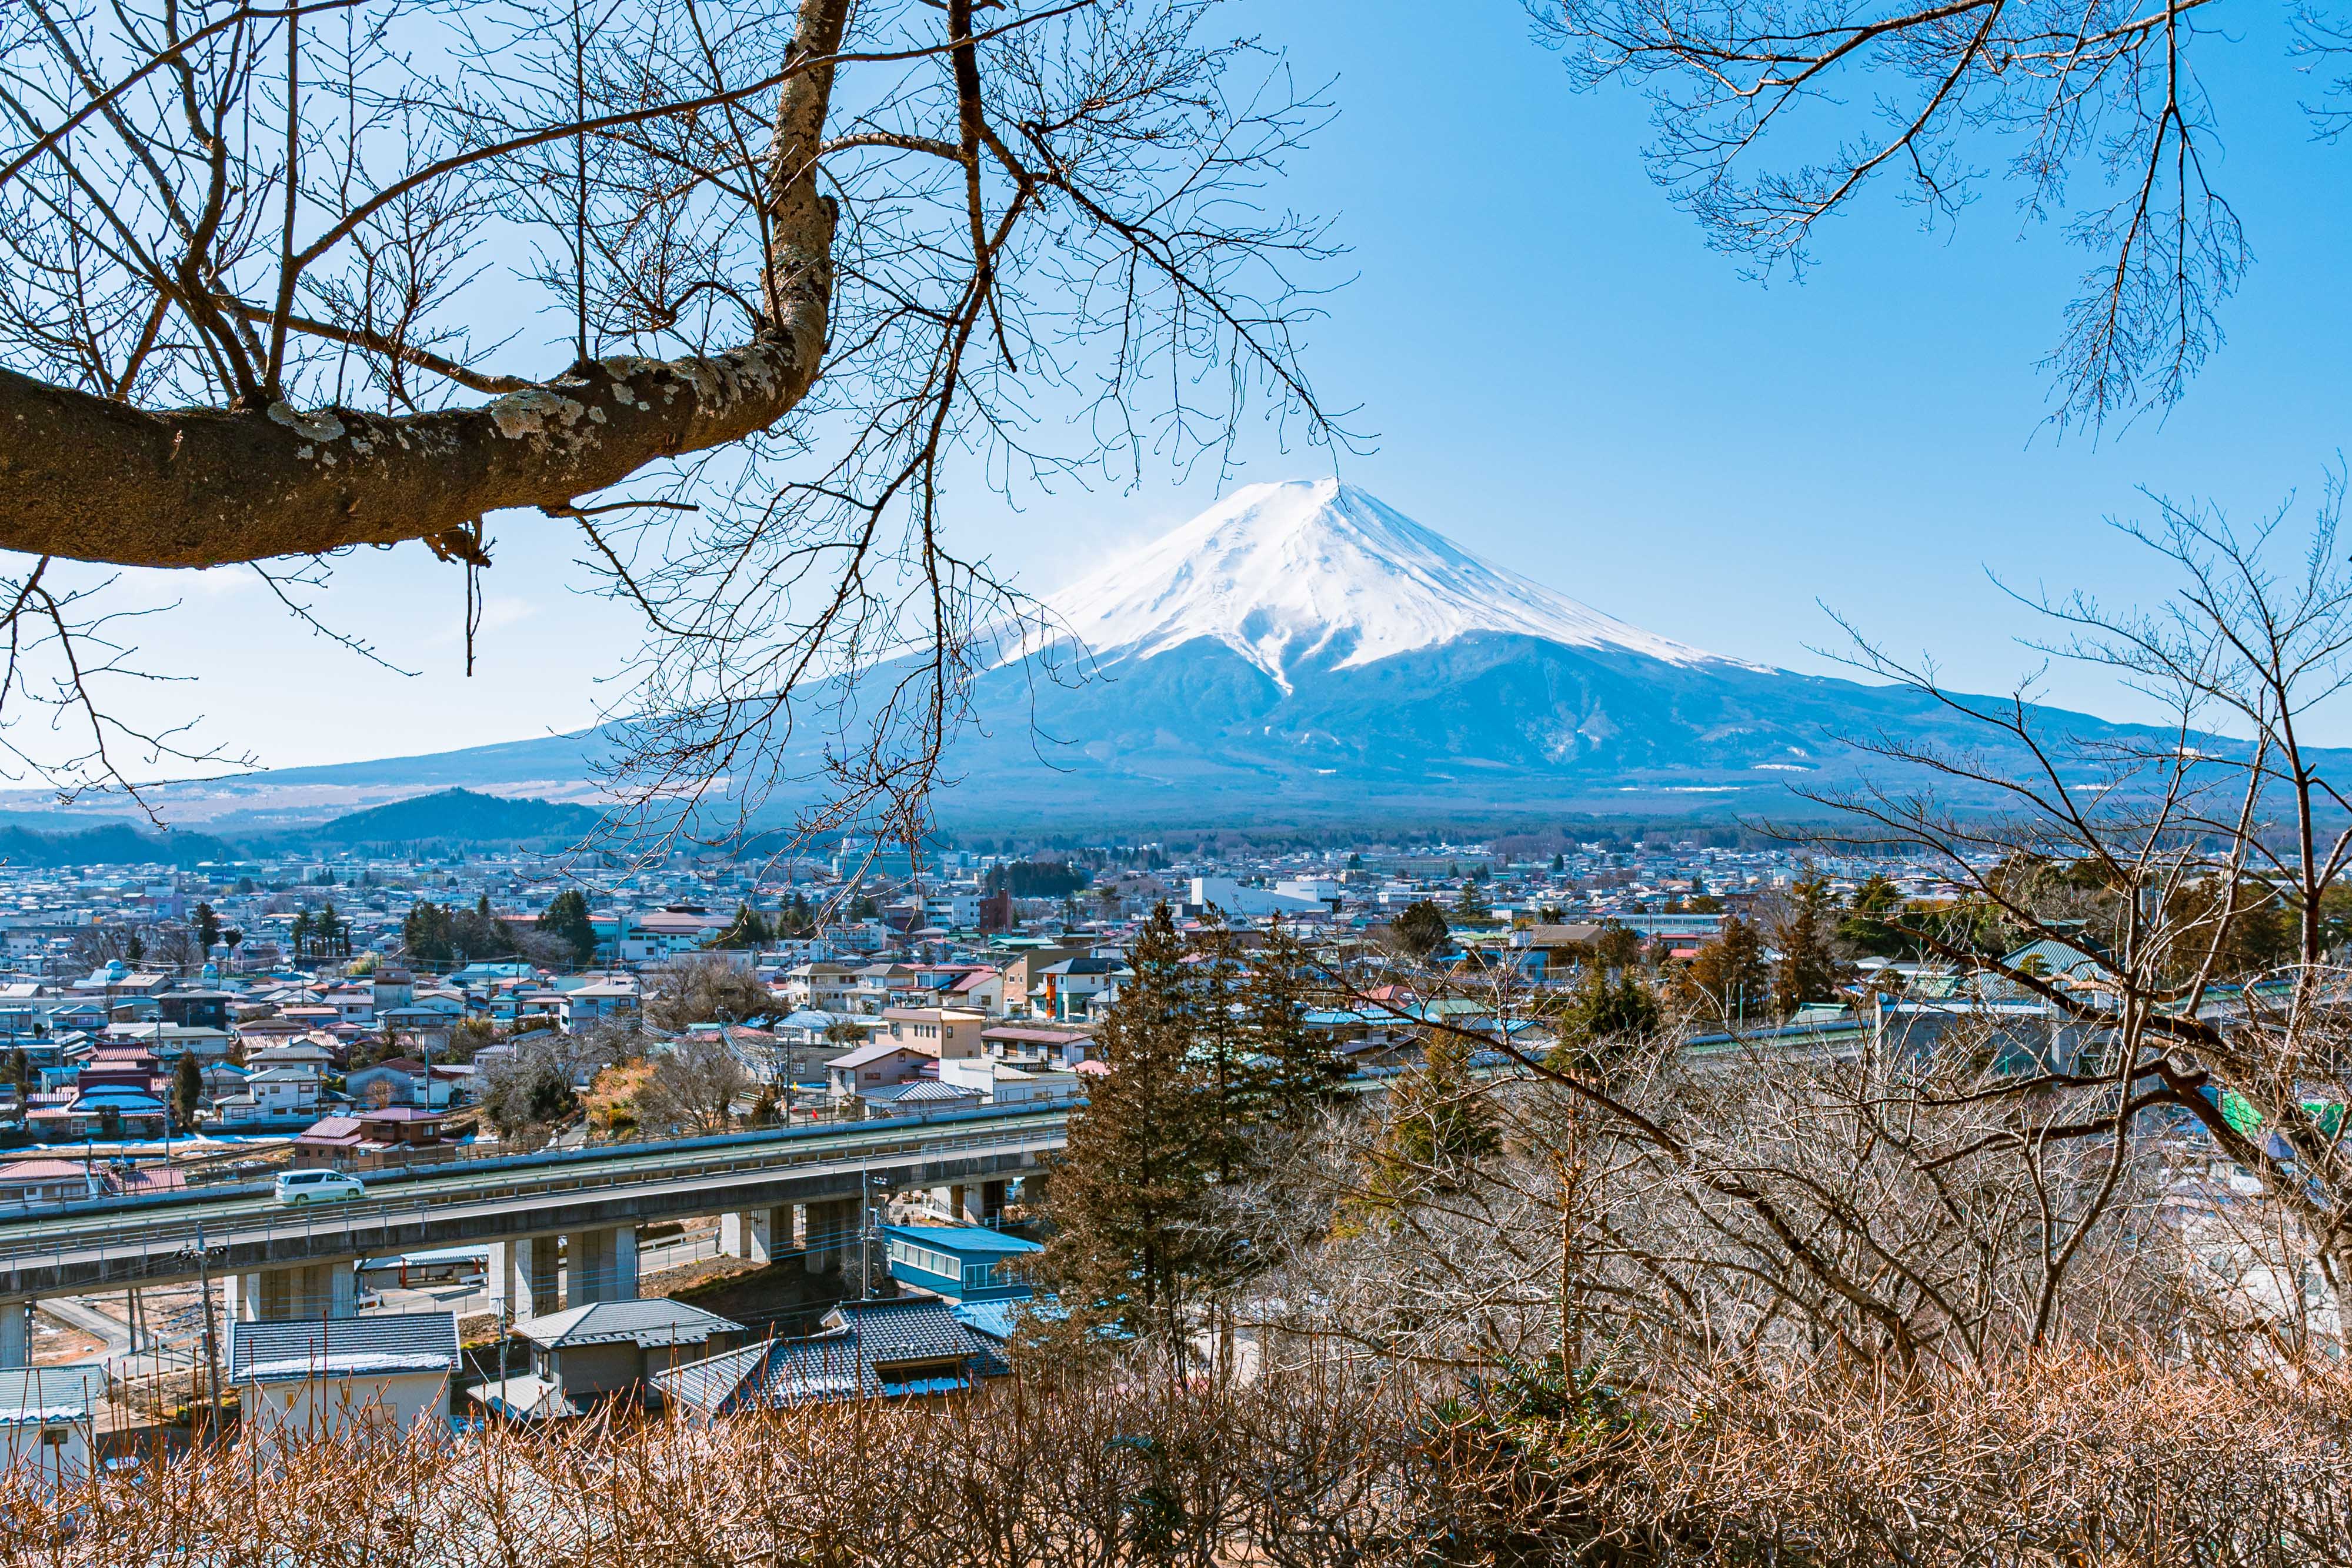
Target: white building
(48,1415)
(314,1377)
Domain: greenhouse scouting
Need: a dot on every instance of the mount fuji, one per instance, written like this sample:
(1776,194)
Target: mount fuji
(1302,651)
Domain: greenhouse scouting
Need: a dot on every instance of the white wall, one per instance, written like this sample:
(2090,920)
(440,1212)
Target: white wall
(320,1406)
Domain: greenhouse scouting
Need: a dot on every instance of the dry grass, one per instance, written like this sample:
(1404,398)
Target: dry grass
(2068,1461)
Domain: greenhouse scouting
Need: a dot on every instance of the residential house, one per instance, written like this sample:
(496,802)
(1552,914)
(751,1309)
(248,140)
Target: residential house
(1000,1083)
(272,1092)
(959,1262)
(196,1008)
(604,1000)
(824,987)
(1024,984)
(605,1350)
(386,1139)
(981,990)
(385,1373)
(353,1004)
(940,1032)
(909,1347)
(872,1065)
(426,1029)
(308,1053)
(49,1420)
(25,1184)
(1071,984)
(171,1041)
(403,1080)
(1036,1046)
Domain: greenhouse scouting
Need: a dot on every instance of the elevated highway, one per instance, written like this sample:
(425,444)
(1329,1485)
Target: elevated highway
(796,1189)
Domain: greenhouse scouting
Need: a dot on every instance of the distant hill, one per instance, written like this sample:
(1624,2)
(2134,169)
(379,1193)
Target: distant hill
(458,815)
(115,844)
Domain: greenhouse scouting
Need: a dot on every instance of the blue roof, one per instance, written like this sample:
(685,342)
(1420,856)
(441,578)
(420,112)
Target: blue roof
(974,1241)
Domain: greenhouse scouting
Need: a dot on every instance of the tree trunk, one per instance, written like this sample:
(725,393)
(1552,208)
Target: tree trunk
(88,479)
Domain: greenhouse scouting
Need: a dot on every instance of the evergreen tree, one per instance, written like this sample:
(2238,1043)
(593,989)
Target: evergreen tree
(746,931)
(1470,903)
(1126,1195)
(1422,930)
(1601,1021)
(1301,1071)
(568,920)
(187,1089)
(425,935)
(1728,977)
(134,950)
(1808,969)
(1437,1126)
(1222,1046)
(20,1070)
(1871,923)
(209,927)
(796,920)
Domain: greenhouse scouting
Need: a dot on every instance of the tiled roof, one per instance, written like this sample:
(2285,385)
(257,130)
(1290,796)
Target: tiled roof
(53,1393)
(654,1322)
(864,1344)
(386,1342)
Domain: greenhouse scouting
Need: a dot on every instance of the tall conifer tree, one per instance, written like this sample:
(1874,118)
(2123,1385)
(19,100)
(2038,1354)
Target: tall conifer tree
(1300,1069)
(1130,1248)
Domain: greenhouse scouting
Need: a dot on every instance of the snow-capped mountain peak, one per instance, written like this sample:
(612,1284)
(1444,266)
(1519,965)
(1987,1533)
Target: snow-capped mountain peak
(1305,570)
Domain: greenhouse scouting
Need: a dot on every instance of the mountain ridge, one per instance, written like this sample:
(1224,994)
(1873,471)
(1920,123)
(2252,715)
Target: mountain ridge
(1299,648)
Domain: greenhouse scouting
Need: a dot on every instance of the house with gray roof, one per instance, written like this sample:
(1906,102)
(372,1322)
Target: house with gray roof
(387,1371)
(604,1351)
(906,1347)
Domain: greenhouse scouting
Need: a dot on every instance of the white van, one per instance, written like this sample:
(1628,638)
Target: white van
(319,1187)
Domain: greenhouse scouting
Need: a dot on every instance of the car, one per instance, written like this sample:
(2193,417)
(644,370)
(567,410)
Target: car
(319,1187)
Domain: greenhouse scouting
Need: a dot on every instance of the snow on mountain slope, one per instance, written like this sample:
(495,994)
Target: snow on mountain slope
(1303,570)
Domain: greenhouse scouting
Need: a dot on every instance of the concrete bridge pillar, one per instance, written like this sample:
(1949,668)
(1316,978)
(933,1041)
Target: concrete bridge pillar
(761,1236)
(831,1231)
(522,1276)
(15,1333)
(601,1265)
(303,1291)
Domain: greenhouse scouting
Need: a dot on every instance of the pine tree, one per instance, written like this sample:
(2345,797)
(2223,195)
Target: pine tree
(568,920)
(1601,1021)
(1127,1194)
(1422,930)
(748,930)
(1302,1071)
(187,1089)
(1728,977)
(1808,968)
(1223,1047)
(1437,1126)
(209,927)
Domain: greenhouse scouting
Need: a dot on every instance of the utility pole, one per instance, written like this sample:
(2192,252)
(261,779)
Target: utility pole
(212,1337)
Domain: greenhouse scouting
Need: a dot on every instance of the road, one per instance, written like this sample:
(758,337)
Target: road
(88,1248)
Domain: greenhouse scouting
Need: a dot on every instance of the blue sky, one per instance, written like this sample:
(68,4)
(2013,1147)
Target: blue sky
(1558,374)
